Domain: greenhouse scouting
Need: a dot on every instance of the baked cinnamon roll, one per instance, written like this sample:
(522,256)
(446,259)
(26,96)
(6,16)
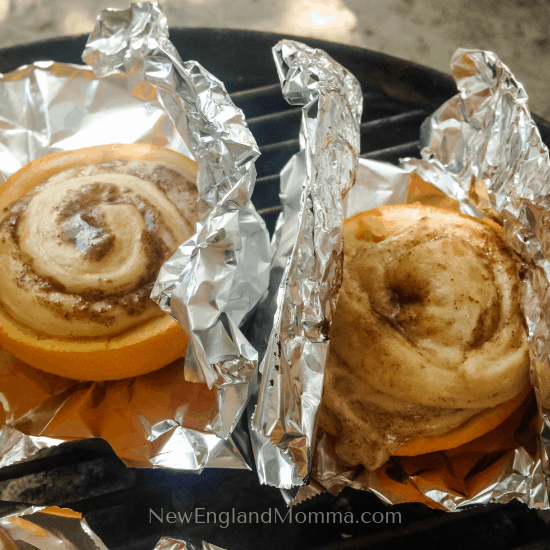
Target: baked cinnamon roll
(428,343)
(82,244)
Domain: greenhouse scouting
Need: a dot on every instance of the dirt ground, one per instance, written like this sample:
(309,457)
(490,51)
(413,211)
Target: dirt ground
(424,31)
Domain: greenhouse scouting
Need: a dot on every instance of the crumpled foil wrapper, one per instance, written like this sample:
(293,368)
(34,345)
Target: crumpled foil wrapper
(41,528)
(158,419)
(166,543)
(45,528)
(309,240)
(217,277)
(483,150)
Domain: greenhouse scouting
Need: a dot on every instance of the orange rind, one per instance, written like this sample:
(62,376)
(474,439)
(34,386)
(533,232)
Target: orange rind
(480,424)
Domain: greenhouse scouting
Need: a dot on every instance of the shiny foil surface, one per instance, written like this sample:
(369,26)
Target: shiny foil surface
(40,528)
(46,528)
(483,150)
(166,543)
(309,244)
(215,278)
(210,284)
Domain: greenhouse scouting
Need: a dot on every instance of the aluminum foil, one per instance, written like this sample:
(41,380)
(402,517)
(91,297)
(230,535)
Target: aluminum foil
(176,544)
(40,528)
(44,528)
(217,277)
(482,149)
(309,240)
(155,420)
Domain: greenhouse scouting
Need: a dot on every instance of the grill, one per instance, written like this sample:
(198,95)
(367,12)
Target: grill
(122,505)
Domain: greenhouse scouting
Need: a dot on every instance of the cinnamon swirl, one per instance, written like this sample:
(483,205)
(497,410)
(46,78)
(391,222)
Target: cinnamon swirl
(82,245)
(428,337)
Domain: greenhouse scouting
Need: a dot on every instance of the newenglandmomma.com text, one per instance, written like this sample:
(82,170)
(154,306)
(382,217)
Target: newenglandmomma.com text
(272,515)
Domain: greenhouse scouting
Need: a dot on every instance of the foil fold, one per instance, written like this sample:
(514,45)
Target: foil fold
(166,543)
(309,244)
(218,276)
(41,528)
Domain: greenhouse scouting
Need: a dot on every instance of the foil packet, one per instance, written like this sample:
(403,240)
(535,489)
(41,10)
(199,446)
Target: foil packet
(309,238)
(482,153)
(160,419)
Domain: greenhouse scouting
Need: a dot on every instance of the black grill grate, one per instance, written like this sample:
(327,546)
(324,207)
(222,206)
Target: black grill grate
(388,133)
(117,501)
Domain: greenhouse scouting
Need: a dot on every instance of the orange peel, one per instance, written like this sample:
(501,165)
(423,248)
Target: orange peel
(480,424)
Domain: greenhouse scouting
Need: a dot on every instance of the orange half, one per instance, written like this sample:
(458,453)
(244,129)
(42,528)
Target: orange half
(139,350)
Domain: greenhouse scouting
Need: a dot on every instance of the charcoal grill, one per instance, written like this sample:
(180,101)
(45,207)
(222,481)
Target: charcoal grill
(117,501)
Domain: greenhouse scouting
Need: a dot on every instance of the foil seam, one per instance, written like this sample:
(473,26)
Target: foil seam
(284,422)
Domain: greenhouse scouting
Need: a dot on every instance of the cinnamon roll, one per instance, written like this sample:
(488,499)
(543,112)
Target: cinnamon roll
(428,342)
(83,235)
